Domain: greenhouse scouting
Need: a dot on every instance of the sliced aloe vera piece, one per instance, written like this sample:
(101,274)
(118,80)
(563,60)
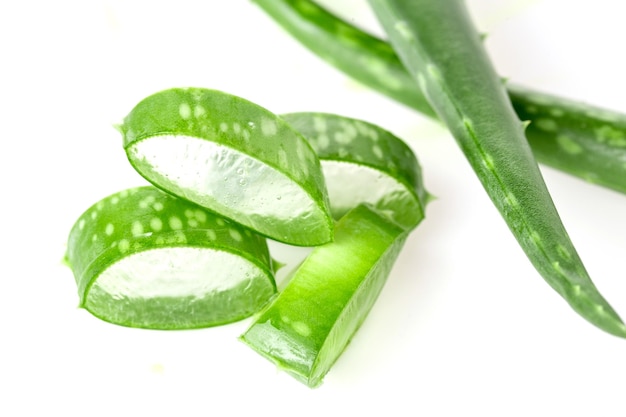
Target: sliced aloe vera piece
(142,258)
(310,323)
(364,163)
(232,157)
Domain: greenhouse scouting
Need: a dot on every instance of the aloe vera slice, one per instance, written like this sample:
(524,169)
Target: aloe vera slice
(364,163)
(310,323)
(232,157)
(142,258)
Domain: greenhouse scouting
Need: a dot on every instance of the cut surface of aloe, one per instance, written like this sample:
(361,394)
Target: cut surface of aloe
(307,327)
(232,157)
(363,163)
(142,258)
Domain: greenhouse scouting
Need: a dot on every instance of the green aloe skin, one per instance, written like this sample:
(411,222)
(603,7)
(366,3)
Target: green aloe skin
(307,327)
(143,258)
(439,46)
(364,163)
(581,140)
(232,157)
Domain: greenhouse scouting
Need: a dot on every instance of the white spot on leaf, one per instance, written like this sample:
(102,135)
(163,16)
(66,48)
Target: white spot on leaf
(136,228)
(175,223)
(199,111)
(268,127)
(184,110)
(377,151)
(156,224)
(235,235)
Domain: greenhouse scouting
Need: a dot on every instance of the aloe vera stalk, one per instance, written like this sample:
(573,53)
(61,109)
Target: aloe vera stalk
(439,46)
(232,157)
(582,140)
(142,258)
(307,327)
(364,164)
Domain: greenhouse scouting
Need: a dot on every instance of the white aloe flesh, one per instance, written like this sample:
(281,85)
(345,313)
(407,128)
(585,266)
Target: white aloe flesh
(364,163)
(143,258)
(234,158)
(307,327)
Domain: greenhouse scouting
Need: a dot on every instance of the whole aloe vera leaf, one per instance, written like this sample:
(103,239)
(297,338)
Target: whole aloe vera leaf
(439,45)
(582,140)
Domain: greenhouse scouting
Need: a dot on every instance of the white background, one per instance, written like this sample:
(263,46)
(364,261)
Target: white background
(465,326)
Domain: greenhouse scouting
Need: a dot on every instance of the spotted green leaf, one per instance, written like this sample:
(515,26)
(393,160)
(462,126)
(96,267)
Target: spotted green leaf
(583,140)
(142,258)
(577,138)
(232,157)
(440,47)
(364,163)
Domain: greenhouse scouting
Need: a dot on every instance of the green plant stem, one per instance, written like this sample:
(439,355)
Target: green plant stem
(585,141)
(439,46)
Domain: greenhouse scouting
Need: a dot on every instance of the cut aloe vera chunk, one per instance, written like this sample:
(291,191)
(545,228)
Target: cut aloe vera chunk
(309,324)
(142,258)
(364,163)
(234,158)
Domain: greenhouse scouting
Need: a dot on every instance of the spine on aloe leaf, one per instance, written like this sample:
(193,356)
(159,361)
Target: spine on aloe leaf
(581,140)
(439,46)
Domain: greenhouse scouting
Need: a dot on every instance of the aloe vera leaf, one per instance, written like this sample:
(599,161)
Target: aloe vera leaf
(438,44)
(364,163)
(307,327)
(232,157)
(586,141)
(143,258)
(364,57)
